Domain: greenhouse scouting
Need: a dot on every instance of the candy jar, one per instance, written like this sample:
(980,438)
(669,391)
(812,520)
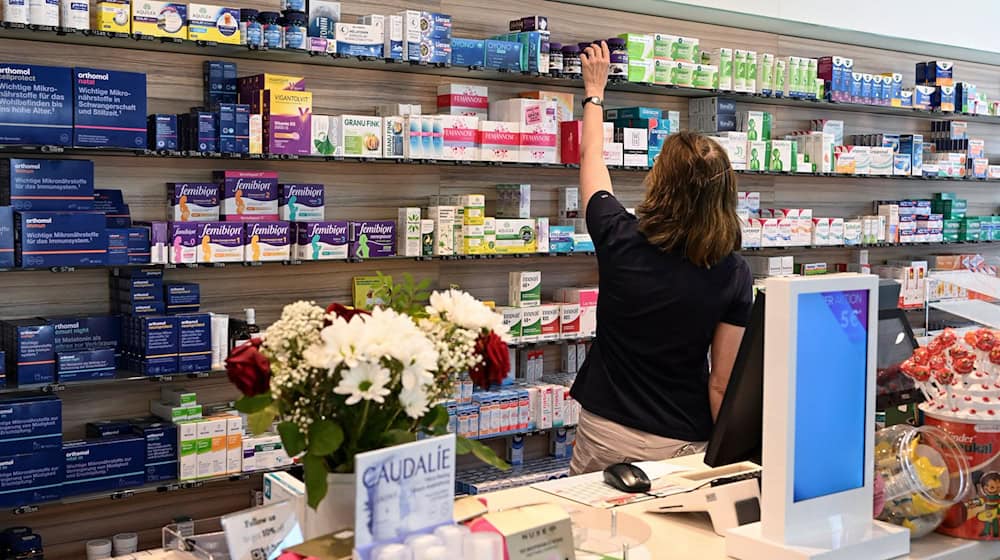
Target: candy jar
(924,472)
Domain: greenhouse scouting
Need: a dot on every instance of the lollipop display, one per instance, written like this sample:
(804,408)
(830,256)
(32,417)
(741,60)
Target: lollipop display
(923,471)
(958,375)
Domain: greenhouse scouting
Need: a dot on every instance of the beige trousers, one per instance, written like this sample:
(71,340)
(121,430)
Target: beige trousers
(601,442)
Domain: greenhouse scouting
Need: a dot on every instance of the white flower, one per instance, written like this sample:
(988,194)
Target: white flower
(414,401)
(462,309)
(366,381)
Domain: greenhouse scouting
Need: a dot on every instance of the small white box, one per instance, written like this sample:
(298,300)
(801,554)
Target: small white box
(187,450)
(614,154)
(234,444)
(212,447)
(525,289)
(542,229)
(550,317)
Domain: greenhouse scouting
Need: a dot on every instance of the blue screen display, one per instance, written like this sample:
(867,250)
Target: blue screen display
(830,398)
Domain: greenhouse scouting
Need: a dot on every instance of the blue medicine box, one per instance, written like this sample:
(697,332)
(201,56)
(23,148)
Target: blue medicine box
(181,296)
(104,464)
(194,342)
(117,247)
(31,478)
(85,365)
(162,132)
(30,352)
(61,239)
(85,332)
(30,424)
(36,105)
(468,52)
(6,237)
(109,109)
(47,184)
(108,428)
(503,55)
(161,448)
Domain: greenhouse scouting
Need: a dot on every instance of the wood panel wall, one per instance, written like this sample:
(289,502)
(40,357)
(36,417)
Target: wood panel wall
(375,191)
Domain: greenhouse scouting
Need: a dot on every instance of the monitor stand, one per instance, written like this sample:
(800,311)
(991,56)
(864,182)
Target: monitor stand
(879,541)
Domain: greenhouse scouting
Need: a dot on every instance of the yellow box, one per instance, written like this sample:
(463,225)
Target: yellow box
(252,88)
(113,16)
(216,24)
(160,19)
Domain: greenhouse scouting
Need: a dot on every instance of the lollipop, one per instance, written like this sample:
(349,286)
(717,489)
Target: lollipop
(945,380)
(957,353)
(971,337)
(920,356)
(935,347)
(948,338)
(937,363)
(994,367)
(918,373)
(985,341)
(964,365)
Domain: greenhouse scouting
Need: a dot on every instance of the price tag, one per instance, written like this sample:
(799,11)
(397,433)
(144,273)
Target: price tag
(261,533)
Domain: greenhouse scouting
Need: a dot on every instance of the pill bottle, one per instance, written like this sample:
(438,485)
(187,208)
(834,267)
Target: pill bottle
(619,58)
(555,59)
(571,61)
(272,32)
(294,26)
(251,32)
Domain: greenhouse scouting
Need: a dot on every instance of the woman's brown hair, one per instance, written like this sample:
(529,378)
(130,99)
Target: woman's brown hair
(690,204)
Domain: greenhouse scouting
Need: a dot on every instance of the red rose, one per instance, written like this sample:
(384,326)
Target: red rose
(248,369)
(496,361)
(344,312)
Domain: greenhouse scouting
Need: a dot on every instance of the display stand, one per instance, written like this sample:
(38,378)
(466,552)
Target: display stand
(818,426)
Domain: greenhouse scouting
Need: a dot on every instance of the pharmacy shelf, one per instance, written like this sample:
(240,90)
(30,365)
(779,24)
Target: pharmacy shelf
(978,311)
(531,432)
(159,487)
(119,378)
(119,40)
(98,152)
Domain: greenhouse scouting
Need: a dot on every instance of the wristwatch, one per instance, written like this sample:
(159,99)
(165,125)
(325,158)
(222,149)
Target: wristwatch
(593,99)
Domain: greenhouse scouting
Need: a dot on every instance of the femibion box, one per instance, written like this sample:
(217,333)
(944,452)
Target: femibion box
(317,241)
(266,241)
(220,242)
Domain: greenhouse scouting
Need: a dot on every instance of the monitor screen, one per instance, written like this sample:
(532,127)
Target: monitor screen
(830,392)
(895,345)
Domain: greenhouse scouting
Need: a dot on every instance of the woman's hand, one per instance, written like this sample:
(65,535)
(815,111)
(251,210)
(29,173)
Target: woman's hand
(595,60)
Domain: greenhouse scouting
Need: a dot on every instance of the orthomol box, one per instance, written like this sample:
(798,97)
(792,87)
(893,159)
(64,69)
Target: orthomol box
(30,424)
(36,105)
(47,184)
(61,239)
(109,108)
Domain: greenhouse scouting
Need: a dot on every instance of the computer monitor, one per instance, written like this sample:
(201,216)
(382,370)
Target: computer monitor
(737,433)
(896,343)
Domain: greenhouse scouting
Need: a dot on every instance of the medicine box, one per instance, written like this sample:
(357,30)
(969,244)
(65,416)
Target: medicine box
(104,464)
(216,24)
(109,109)
(267,242)
(47,184)
(323,16)
(162,132)
(108,428)
(30,424)
(155,344)
(248,195)
(48,91)
(516,236)
(217,242)
(372,239)
(359,39)
(525,289)
(470,53)
(512,320)
(360,136)
(193,202)
(160,19)
(287,122)
(463,100)
(194,350)
(320,241)
(7,236)
(211,447)
(113,16)
(31,478)
(161,448)
(531,324)
(85,365)
(187,449)
(299,202)
(30,354)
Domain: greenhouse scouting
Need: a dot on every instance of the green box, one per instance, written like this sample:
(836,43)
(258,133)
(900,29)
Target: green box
(950,237)
(641,71)
(758,156)
(944,196)
(704,76)
(682,74)
(639,45)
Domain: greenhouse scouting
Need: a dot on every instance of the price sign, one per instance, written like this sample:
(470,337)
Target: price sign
(261,533)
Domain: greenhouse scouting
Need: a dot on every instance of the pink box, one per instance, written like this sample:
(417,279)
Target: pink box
(459,135)
(248,196)
(499,141)
(539,125)
(463,99)
(587,300)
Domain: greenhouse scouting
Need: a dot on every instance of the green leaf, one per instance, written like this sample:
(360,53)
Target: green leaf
(325,437)
(248,405)
(436,416)
(261,420)
(315,479)
(292,438)
(396,437)
(481,452)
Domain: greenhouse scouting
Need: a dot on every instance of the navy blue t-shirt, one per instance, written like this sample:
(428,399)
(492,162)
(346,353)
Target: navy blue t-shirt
(656,316)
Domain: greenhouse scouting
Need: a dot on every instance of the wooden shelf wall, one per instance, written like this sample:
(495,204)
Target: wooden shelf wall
(364,191)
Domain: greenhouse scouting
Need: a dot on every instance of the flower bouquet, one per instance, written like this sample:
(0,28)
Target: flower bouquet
(341,381)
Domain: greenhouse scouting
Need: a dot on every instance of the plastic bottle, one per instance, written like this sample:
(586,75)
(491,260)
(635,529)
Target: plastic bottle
(295,33)
(251,32)
(272,32)
(555,59)
(619,58)
(571,61)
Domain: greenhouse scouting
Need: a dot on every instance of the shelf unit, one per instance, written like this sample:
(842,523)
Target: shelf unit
(372,189)
(136,42)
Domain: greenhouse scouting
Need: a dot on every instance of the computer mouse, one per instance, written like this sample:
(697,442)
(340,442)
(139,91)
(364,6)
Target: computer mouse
(626,477)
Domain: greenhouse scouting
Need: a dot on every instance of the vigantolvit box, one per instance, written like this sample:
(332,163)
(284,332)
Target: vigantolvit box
(524,289)
(315,241)
(47,184)
(215,24)
(160,19)
(301,202)
(267,242)
(30,424)
(36,104)
(287,122)
(193,202)
(109,108)
(219,242)
(103,465)
(61,239)
(248,195)
(360,136)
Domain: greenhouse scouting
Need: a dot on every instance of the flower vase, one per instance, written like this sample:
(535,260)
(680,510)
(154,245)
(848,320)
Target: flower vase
(336,511)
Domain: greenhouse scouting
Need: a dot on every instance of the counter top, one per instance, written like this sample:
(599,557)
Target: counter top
(689,536)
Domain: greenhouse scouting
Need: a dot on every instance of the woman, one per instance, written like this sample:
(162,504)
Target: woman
(672,291)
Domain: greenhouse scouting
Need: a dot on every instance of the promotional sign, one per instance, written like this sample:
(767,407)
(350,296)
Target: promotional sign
(261,533)
(403,490)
